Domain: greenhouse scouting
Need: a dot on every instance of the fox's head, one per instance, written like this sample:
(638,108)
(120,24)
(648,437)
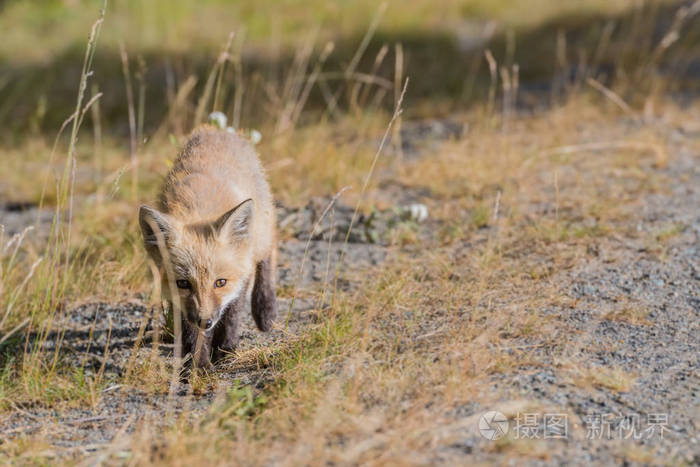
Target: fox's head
(209,263)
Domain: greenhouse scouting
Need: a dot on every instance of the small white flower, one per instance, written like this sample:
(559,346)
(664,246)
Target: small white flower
(419,212)
(218,119)
(255,136)
(231,130)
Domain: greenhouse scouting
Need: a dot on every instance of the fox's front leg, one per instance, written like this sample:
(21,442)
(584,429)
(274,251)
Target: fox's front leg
(197,344)
(226,333)
(264,297)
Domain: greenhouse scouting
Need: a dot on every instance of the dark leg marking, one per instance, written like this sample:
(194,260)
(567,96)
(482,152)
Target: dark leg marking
(226,333)
(264,297)
(200,352)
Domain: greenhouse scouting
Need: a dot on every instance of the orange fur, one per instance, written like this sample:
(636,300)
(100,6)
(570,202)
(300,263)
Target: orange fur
(216,172)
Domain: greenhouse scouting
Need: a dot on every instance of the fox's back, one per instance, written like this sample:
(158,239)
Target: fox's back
(215,172)
(216,169)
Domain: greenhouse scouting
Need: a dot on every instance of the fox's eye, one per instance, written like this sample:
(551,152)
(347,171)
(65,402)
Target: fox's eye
(183,284)
(220,283)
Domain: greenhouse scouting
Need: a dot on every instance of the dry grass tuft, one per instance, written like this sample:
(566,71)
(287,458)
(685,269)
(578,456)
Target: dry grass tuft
(469,303)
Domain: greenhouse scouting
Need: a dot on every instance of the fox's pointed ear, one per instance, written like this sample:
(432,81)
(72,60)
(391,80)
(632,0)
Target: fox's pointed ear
(154,225)
(235,224)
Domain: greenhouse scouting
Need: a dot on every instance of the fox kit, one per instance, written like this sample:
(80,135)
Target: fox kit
(216,225)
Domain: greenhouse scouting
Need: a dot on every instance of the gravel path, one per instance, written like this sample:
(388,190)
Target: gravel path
(658,343)
(100,335)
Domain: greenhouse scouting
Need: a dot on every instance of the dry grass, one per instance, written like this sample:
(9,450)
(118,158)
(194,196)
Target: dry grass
(415,342)
(632,314)
(586,376)
(515,203)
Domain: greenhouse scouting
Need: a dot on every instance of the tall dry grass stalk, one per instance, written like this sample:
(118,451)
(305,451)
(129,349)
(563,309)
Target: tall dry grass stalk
(209,86)
(360,92)
(48,277)
(239,83)
(174,121)
(9,251)
(294,85)
(167,269)
(398,110)
(141,112)
(97,135)
(329,208)
(398,79)
(132,120)
(493,73)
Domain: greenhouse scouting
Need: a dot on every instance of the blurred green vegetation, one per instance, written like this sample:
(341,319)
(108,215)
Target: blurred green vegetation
(278,44)
(35,31)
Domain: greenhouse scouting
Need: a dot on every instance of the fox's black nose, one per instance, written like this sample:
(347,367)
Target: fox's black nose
(208,323)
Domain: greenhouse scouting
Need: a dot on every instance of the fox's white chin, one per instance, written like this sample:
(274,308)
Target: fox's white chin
(228,300)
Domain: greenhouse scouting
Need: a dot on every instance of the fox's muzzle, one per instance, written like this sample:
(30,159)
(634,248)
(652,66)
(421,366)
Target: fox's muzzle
(202,323)
(194,317)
